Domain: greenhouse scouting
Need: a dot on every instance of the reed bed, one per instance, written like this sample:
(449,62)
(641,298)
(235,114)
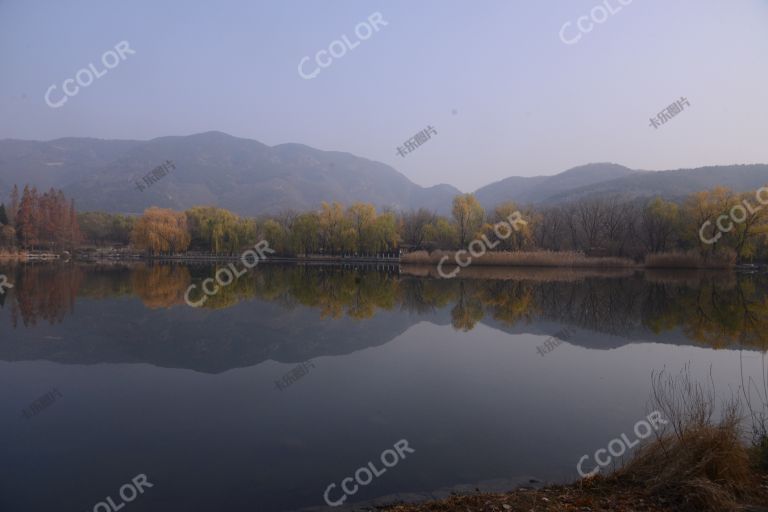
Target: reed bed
(569,259)
(690,259)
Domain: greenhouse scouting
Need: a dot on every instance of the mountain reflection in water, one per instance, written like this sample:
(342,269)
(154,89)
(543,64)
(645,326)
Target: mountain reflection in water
(289,313)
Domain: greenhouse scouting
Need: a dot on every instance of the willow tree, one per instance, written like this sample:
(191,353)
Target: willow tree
(332,225)
(161,230)
(705,207)
(219,230)
(361,218)
(468,215)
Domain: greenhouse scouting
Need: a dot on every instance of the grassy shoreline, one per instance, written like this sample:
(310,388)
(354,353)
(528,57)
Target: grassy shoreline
(693,464)
(569,259)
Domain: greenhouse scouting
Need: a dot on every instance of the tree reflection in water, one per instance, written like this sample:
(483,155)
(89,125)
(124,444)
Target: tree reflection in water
(715,309)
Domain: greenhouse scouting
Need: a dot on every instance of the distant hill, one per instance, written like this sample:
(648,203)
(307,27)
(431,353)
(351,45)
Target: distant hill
(251,178)
(674,185)
(541,188)
(242,175)
(606,179)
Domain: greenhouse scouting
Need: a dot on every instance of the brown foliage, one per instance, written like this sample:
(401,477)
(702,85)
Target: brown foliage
(161,230)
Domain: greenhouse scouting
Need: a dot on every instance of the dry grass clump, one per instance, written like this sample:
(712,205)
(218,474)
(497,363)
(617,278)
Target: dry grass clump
(522,259)
(690,259)
(695,463)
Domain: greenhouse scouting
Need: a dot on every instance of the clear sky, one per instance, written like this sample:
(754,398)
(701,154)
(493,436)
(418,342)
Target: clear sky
(504,93)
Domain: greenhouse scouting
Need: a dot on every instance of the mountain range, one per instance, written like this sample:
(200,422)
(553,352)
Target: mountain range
(251,178)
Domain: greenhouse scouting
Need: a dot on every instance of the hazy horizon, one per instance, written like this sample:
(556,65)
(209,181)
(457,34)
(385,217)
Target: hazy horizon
(505,95)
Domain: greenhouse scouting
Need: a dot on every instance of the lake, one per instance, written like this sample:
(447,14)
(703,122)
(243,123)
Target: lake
(293,377)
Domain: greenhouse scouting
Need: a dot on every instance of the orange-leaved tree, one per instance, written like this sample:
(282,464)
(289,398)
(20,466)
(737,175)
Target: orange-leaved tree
(161,230)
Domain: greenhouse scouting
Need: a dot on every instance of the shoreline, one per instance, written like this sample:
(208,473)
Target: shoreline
(598,494)
(416,268)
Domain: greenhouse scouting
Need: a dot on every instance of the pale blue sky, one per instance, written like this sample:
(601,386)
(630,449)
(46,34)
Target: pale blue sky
(526,103)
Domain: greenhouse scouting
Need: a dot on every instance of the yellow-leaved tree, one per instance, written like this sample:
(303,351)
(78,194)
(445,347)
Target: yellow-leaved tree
(161,230)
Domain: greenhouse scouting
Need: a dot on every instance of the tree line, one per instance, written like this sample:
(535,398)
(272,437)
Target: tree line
(599,226)
(615,226)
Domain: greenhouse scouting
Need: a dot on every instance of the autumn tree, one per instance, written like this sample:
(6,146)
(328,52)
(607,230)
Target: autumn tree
(305,237)
(468,215)
(101,228)
(521,236)
(754,226)
(659,223)
(332,227)
(277,236)
(14,205)
(47,221)
(28,218)
(701,208)
(361,217)
(219,230)
(442,234)
(7,236)
(161,230)
(384,236)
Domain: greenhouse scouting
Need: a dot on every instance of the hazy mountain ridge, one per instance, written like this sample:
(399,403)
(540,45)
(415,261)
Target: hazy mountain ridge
(252,178)
(540,188)
(677,184)
(243,175)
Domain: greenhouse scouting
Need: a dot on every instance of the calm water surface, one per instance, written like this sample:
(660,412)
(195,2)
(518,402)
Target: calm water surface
(199,399)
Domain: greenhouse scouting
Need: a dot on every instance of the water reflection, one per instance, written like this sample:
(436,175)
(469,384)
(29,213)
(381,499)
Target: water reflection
(450,365)
(367,308)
